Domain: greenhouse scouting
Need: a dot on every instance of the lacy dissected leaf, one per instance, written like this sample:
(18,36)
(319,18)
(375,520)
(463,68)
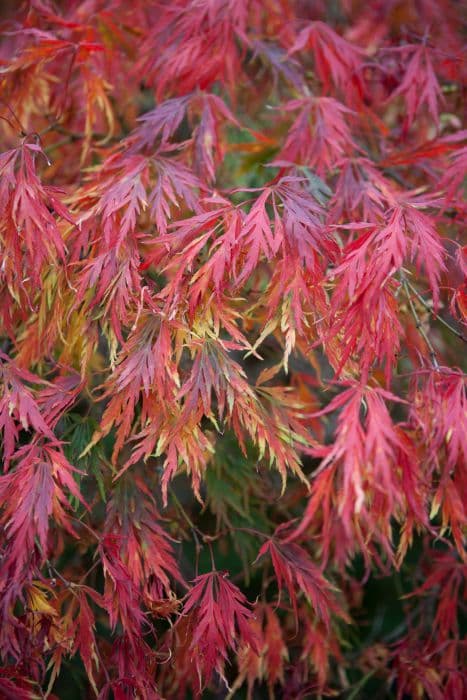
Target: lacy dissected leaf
(419,85)
(295,570)
(336,60)
(19,408)
(30,232)
(320,135)
(121,599)
(219,622)
(40,478)
(145,548)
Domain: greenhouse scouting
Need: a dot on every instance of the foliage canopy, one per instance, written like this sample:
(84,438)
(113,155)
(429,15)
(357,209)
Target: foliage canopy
(232,320)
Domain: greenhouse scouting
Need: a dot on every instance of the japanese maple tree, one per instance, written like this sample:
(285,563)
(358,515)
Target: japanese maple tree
(233,309)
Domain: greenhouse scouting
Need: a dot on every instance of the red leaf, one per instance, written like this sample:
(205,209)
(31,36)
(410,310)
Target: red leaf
(336,60)
(219,622)
(39,481)
(294,569)
(419,85)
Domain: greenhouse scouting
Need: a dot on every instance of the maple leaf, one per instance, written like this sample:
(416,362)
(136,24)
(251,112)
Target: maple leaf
(419,85)
(362,459)
(204,36)
(367,292)
(30,232)
(257,235)
(207,144)
(84,641)
(294,569)
(281,64)
(113,276)
(121,598)
(138,374)
(175,184)
(14,687)
(219,619)
(368,327)
(39,479)
(267,663)
(145,547)
(438,414)
(221,257)
(304,235)
(161,122)
(123,188)
(336,60)
(19,409)
(447,574)
(425,243)
(296,299)
(320,645)
(360,192)
(439,410)
(453,176)
(412,661)
(320,135)
(59,395)
(295,230)
(135,667)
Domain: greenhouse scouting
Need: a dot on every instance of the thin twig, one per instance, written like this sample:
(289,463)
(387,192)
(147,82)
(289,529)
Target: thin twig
(418,323)
(251,531)
(439,318)
(182,510)
(57,574)
(58,144)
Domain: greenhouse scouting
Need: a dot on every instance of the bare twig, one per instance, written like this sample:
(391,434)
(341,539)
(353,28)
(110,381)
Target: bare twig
(439,318)
(418,323)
